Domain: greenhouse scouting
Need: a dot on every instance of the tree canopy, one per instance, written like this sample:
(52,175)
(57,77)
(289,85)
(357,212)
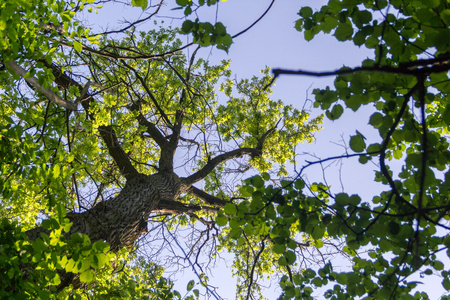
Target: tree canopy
(114,139)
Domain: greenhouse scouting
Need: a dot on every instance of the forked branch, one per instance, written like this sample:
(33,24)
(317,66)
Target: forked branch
(213,163)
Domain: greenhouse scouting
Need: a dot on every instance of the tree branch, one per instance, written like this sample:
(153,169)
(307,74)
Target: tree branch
(48,93)
(106,132)
(151,127)
(150,94)
(254,23)
(421,66)
(386,141)
(208,198)
(133,24)
(176,207)
(213,163)
(250,284)
(117,153)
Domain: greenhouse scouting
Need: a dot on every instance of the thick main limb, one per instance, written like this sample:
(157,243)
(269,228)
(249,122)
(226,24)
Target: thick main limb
(106,132)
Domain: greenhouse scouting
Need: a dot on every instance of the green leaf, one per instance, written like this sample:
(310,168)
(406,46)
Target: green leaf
(446,115)
(299,184)
(373,148)
(61,209)
(219,29)
(77,237)
(290,257)
(257,181)
(235,233)
(190,285)
(86,276)
(187,26)
(282,261)
(342,199)
(55,224)
(230,209)
(2,24)
(445,15)
(56,171)
(394,227)
(357,143)
(318,244)
(225,43)
(102,259)
(140,3)
(279,248)
(46,224)
(308,273)
(344,32)
(306,12)
(183,2)
(438,265)
(354,200)
(39,245)
(265,176)
(101,246)
(446,283)
(77,46)
(376,120)
(187,11)
(363,159)
(221,220)
(335,113)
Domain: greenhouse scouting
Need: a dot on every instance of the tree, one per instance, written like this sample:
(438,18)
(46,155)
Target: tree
(102,116)
(90,129)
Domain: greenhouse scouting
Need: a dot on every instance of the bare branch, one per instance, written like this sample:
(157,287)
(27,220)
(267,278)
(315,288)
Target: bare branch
(213,163)
(249,289)
(210,199)
(133,24)
(254,23)
(117,153)
(176,207)
(421,66)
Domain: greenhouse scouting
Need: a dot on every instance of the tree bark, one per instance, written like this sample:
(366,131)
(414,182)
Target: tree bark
(120,221)
(123,219)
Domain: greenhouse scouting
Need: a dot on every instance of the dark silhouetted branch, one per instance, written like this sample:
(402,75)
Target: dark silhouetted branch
(210,199)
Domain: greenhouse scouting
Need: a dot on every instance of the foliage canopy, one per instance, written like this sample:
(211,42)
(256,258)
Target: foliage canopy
(102,133)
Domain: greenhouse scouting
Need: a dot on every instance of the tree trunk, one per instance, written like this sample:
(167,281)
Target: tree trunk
(123,219)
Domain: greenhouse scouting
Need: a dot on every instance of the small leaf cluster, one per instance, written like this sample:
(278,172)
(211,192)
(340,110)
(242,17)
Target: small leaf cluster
(250,112)
(206,34)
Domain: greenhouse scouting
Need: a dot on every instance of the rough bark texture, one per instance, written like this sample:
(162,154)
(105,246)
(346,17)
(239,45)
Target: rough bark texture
(123,219)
